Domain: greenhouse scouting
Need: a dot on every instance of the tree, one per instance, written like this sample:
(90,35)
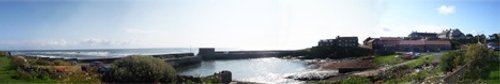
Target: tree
(494,37)
(141,69)
(477,54)
(480,38)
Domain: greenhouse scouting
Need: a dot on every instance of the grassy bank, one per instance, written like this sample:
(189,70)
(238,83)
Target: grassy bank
(387,60)
(494,75)
(420,60)
(7,72)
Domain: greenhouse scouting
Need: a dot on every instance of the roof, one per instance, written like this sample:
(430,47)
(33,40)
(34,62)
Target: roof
(424,42)
(424,33)
(438,42)
(391,38)
(347,37)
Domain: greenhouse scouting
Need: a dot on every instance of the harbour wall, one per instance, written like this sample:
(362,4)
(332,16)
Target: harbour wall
(211,54)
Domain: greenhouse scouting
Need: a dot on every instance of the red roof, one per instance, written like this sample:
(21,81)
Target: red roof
(412,42)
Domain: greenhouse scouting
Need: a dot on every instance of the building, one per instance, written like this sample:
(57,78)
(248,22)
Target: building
(340,41)
(422,35)
(423,45)
(494,46)
(453,34)
(388,45)
(383,45)
(327,42)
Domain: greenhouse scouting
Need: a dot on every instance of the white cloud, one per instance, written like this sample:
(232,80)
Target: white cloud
(53,43)
(446,9)
(101,42)
(64,44)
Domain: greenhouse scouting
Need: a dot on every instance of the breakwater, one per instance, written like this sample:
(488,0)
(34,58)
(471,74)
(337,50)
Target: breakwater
(180,59)
(211,54)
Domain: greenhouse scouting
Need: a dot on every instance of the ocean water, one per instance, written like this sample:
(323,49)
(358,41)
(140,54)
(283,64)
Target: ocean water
(270,70)
(101,53)
(261,70)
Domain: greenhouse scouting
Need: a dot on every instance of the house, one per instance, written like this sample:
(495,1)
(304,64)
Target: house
(453,34)
(340,41)
(494,46)
(383,45)
(327,42)
(422,35)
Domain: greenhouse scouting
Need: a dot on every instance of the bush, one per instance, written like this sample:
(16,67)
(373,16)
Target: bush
(61,63)
(32,75)
(450,60)
(42,62)
(140,69)
(80,77)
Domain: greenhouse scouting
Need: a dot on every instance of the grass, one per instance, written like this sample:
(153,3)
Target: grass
(420,60)
(7,72)
(387,60)
(416,77)
(494,73)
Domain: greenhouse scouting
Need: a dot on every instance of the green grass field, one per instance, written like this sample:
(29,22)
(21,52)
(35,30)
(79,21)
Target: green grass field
(6,73)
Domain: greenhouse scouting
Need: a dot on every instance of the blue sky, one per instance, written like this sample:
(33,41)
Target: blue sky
(243,24)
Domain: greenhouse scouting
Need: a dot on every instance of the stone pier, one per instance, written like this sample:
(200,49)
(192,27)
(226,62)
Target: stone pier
(211,54)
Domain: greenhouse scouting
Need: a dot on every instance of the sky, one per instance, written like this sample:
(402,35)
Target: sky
(240,24)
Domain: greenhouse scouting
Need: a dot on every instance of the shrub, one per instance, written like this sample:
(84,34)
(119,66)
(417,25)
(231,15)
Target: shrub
(140,69)
(80,77)
(61,63)
(450,60)
(42,62)
(21,74)
(31,75)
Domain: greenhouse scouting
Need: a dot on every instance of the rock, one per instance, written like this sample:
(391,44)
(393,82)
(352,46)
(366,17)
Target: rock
(20,61)
(313,75)
(225,76)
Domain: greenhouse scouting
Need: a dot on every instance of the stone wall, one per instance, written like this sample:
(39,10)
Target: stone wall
(455,76)
(183,61)
(177,55)
(211,54)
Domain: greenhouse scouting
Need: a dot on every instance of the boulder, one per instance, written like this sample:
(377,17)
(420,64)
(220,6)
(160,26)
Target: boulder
(225,76)
(19,61)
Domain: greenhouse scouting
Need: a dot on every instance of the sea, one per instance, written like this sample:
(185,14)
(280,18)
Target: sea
(100,53)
